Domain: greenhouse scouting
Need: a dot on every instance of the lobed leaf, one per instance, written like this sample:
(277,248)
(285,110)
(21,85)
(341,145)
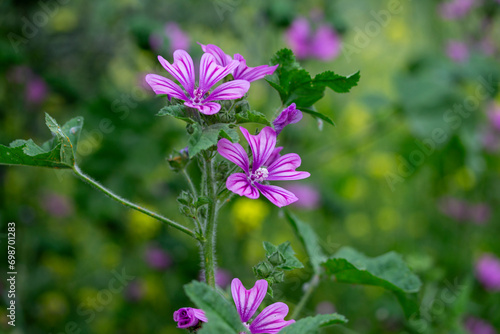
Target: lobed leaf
(252,116)
(178,111)
(222,316)
(205,138)
(336,82)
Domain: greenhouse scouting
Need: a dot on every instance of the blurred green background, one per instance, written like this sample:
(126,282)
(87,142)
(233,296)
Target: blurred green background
(411,166)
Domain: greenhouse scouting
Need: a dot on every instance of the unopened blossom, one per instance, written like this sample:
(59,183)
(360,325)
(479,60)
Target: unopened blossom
(488,272)
(187,317)
(479,326)
(267,165)
(289,115)
(242,72)
(323,43)
(198,96)
(271,320)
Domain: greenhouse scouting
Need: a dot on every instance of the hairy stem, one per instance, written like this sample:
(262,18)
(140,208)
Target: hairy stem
(131,205)
(208,246)
(313,283)
(190,182)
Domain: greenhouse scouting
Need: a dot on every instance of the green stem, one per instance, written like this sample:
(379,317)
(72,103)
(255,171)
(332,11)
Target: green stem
(208,246)
(131,205)
(190,182)
(313,283)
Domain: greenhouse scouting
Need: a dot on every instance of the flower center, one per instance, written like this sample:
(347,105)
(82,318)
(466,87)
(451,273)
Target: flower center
(260,175)
(198,96)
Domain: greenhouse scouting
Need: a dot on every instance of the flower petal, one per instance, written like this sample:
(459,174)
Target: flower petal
(162,85)
(243,72)
(247,301)
(233,152)
(231,90)
(182,69)
(271,319)
(275,155)
(277,195)
(221,58)
(208,108)
(284,168)
(200,315)
(262,145)
(238,183)
(211,73)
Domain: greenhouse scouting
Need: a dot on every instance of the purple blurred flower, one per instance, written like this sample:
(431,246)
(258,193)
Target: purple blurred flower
(177,39)
(157,258)
(454,208)
(289,115)
(36,90)
(478,326)
(488,272)
(479,213)
(455,9)
(457,51)
(210,73)
(494,116)
(134,291)
(323,44)
(242,72)
(267,165)
(325,307)
(189,317)
(222,277)
(57,205)
(490,140)
(271,320)
(308,196)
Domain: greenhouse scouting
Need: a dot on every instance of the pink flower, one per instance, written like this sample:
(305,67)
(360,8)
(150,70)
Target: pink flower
(479,326)
(271,320)
(189,317)
(494,116)
(289,115)
(456,9)
(323,44)
(488,272)
(198,97)
(267,165)
(157,258)
(242,72)
(457,51)
(177,39)
(308,196)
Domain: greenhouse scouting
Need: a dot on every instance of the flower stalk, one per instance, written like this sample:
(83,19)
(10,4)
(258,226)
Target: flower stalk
(208,247)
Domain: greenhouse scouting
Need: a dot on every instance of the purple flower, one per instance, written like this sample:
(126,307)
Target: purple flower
(323,44)
(157,258)
(242,72)
(455,9)
(479,326)
(488,272)
(457,51)
(267,165)
(494,116)
(177,39)
(308,196)
(271,320)
(210,73)
(479,213)
(289,115)
(189,317)
(134,292)
(57,205)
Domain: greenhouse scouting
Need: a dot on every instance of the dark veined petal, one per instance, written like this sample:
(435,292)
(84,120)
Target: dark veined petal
(239,184)
(208,108)
(162,85)
(275,155)
(277,195)
(248,301)
(233,152)
(221,58)
(200,315)
(262,145)
(243,72)
(231,90)
(182,69)
(284,168)
(211,73)
(271,319)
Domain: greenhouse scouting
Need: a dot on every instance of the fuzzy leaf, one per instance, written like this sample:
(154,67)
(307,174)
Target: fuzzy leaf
(58,152)
(335,82)
(252,116)
(388,271)
(221,314)
(178,111)
(285,249)
(309,240)
(311,325)
(316,114)
(202,139)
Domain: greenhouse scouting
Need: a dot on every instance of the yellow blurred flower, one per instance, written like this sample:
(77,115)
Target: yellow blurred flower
(53,306)
(387,219)
(356,118)
(354,188)
(61,266)
(142,226)
(248,214)
(379,163)
(65,20)
(465,178)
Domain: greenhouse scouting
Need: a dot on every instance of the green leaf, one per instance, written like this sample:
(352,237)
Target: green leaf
(335,82)
(316,114)
(252,116)
(178,111)
(309,240)
(58,152)
(203,139)
(311,325)
(285,249)
(388,271)
(222,315)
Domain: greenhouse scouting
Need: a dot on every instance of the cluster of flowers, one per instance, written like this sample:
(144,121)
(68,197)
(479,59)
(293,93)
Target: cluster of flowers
(270,320)
(267,163)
